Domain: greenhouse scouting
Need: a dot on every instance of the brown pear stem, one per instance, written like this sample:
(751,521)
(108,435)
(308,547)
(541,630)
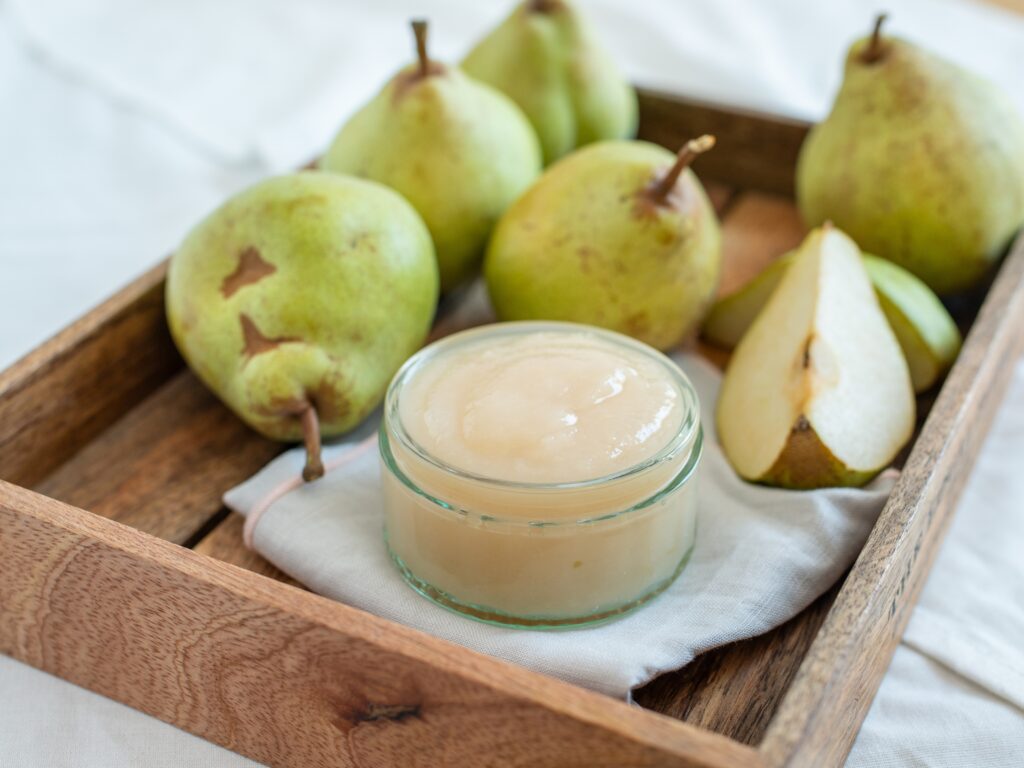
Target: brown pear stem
(419,29)
(544,6)
(311,436)
(691,149)
(874,50)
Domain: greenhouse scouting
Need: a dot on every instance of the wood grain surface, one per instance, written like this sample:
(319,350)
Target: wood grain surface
(164,466)
(752,151)
(60,396)
(287,677)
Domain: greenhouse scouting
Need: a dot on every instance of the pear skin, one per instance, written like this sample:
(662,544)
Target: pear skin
(460,151)
(927,334)
(919,161)
(619,234)
(806,463)
(297,300)
(545,58)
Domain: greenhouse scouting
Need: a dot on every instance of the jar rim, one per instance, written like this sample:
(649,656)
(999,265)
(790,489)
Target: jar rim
(685,435)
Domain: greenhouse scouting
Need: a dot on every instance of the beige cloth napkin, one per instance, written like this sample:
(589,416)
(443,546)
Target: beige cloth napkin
(762,555)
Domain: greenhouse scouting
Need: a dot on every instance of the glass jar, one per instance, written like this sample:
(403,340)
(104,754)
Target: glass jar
(539,555)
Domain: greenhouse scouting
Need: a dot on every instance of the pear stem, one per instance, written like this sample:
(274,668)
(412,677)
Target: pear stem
(691,149)
(311,436)
(419,29)
(874,50)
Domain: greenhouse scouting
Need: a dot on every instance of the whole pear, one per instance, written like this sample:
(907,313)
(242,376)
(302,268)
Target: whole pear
(456,149)
(619,234)
(920,161)
(544,56)
(298,299)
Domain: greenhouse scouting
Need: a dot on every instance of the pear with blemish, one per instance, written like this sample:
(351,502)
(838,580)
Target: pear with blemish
(619,234)
(298,299)
(458,150)
(920,161)
(546,58)
(817,393)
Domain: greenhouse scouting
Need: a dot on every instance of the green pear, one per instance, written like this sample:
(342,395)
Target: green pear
(919,161)
(298,299)
(817,393)
(458,150)
(924,328)
(618,234)
(545,58)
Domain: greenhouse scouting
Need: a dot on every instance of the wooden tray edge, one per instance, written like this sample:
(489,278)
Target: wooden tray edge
(61,559)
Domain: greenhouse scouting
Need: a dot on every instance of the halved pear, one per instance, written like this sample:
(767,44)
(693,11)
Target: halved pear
(818,392)
(924,328)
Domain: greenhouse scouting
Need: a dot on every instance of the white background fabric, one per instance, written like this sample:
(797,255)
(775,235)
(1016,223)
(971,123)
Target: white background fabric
(106,158)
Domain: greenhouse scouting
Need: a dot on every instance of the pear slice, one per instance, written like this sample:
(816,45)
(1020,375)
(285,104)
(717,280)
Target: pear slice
(924,329)
(817,393)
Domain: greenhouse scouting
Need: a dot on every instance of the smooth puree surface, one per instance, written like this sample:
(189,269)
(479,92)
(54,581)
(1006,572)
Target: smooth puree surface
(544,407)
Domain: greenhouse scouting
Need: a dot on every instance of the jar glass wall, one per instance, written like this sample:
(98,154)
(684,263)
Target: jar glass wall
(539,555)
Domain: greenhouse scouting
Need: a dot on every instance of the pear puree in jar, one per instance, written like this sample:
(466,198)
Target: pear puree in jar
(536,467)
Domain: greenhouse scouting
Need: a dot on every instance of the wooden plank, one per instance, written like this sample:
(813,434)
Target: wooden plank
(57,398)
(822,712)
(287,677)
(163,467)
(752,152)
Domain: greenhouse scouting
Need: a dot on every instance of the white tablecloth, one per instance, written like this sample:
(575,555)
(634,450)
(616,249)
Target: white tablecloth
(124,122)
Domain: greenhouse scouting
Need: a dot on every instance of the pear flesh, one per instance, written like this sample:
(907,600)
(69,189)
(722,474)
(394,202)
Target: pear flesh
(920,161)
(297,300)
(926,332)
(545,58)
(817,393)
(593,241)
(458,150)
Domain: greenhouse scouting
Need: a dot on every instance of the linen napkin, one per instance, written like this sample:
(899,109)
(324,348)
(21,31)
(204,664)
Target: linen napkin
(761,556)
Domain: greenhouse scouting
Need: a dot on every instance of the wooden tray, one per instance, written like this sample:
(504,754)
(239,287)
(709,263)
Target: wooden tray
(141,598)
